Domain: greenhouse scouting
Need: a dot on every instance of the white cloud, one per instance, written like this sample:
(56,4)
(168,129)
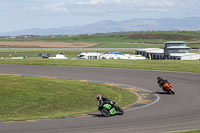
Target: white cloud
(92,2)
(189,3)
(112,4)
(155,9)
(56,8)
(164,3)
(95,2)
(116,1)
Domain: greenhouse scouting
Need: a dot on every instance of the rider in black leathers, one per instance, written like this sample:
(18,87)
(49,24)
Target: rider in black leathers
(161,82)
(105,100)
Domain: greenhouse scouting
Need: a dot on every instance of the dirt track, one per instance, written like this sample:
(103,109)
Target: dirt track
(47,44)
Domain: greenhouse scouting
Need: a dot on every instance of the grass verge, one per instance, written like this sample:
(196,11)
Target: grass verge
(24,98)
(164,65)
(195,131)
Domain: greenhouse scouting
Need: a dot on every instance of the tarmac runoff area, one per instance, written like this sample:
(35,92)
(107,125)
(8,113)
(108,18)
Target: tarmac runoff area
(177,112)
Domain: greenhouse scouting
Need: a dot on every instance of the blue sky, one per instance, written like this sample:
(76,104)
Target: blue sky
(23,14)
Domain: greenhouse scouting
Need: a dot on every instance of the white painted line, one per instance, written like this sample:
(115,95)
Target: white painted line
(158,98)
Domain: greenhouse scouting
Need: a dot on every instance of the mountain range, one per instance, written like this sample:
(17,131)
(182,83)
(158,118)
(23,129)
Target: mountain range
(108,26)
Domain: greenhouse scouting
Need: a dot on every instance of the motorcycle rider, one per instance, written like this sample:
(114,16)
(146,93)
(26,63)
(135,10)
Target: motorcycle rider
(163,83)
(104,100)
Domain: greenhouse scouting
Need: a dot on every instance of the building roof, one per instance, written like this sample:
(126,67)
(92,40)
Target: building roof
(178,47)
(184,54)
(147,49)
(161,51)
(152,50)
(175,42)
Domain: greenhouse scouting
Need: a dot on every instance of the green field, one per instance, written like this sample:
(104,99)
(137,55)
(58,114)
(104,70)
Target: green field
(125,40)
(128,45)
(37,98)
(164,65)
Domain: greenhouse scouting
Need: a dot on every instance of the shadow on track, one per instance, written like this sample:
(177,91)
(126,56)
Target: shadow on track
(96,115)
(162,93)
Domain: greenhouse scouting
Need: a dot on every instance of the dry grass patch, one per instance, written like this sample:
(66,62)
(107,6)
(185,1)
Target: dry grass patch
(47,44)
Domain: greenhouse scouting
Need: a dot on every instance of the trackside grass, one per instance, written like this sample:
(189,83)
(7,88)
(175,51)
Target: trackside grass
(25,98)
(194,131)
(164,65)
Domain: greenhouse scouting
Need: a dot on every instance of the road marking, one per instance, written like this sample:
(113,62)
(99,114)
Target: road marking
(158,98)
(83,80)
(48,77)
(136,89)
(146,95)
(32,120)
(111,84)
(127,108)
(11,74)
(145,101)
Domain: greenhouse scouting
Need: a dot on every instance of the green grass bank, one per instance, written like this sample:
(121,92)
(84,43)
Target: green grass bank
(164,65)
(25,98)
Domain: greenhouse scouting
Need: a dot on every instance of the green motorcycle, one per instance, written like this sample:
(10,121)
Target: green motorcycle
(108,109)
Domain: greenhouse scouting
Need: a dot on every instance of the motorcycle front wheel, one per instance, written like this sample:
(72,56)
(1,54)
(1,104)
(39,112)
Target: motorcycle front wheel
(172,92)
(119,110)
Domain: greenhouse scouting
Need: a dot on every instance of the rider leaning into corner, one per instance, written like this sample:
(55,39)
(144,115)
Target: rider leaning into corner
(105,100)
(162,82)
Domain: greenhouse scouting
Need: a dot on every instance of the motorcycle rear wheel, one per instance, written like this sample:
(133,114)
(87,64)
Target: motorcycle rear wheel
(105,112)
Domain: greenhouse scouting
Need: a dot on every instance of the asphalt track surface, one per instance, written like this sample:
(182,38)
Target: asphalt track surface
(171,113)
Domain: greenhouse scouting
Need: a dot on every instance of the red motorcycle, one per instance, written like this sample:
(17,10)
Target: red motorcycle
(168,88)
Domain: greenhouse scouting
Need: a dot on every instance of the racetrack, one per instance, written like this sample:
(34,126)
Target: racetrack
(170,113)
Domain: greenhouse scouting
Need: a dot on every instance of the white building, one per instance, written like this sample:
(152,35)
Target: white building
(175,47)
(185,56)
(176,50)
(59,56)
(153,53)
(90,55)
(111,55)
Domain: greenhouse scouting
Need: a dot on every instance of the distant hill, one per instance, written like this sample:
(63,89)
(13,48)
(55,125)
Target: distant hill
(106,26)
